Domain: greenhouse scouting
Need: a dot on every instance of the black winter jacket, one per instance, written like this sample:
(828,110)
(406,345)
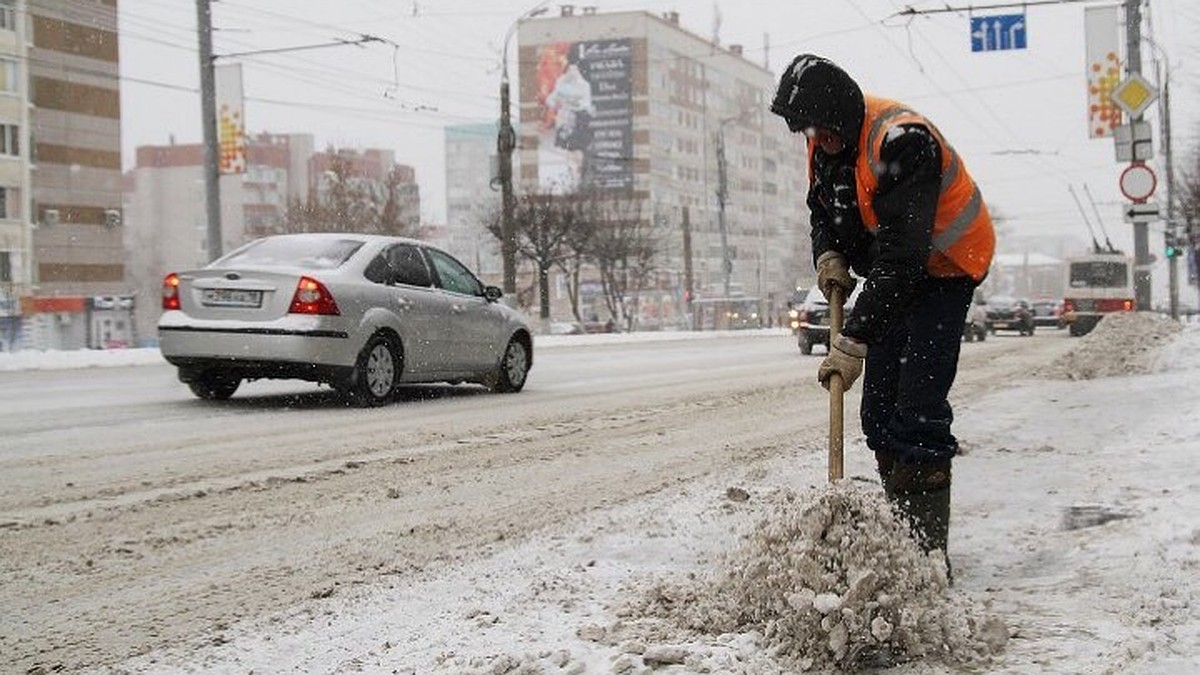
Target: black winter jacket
(892,260)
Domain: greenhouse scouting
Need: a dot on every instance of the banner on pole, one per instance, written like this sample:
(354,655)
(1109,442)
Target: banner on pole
(231,127)
(1102,40)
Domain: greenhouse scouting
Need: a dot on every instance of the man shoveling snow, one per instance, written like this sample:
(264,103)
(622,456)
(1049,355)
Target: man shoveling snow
(892,200)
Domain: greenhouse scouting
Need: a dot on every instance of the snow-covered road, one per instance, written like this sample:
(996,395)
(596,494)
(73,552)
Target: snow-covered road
(458,532)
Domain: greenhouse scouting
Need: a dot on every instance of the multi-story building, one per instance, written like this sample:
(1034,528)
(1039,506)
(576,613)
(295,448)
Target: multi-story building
(470,198)
(60,175)
(16,231)
(632,102)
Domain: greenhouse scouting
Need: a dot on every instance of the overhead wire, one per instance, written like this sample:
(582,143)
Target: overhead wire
(1041,164)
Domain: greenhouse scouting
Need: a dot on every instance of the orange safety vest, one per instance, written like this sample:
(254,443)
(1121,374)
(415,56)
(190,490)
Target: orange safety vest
(963,238)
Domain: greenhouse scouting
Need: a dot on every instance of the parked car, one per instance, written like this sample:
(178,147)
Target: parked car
(976,327)
(1048,313)
(812,317)
(362,313)
(1005,313)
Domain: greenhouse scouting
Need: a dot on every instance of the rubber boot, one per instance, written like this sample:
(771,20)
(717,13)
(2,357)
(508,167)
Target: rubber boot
(922,493)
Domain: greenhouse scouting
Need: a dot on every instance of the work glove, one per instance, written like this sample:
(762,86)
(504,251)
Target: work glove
(846,359)
(832,270)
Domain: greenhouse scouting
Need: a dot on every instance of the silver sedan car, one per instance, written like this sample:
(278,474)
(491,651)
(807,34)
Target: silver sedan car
(363,313)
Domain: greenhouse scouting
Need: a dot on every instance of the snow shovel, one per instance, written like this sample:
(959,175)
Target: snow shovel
(837,389)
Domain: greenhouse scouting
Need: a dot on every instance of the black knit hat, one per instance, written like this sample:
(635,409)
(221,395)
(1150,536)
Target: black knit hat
(814,92)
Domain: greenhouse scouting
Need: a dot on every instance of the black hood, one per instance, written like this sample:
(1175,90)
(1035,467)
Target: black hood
(814,92)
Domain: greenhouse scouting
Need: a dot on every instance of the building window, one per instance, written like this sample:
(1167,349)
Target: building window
(6,272)
(8,140)
(8,75)
(9,203)
(8,15)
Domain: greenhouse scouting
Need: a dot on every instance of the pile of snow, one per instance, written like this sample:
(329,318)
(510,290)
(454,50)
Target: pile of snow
(834,582)
(1121,344)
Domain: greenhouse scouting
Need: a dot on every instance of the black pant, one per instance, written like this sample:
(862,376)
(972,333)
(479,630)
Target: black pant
(905,411)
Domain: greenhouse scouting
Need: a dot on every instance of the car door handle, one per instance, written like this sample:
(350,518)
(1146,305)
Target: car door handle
(457,309)
(403,303)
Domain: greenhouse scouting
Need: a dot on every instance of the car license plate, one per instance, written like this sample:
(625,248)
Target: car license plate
(231,297)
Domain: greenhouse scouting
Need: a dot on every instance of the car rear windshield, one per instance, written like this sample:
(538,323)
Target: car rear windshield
(1098,274)
(319,254)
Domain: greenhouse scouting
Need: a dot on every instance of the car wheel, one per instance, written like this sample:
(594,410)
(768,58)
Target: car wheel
(514,368)
(805,343)
(377,371)
(214,386)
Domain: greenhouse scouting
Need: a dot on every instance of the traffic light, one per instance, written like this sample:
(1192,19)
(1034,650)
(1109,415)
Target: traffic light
(1171,245)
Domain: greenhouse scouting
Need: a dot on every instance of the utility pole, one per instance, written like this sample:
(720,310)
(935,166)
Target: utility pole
(1172,228)
(689,285)
(208,120)
(722,198)
(505,143)
(1141,231)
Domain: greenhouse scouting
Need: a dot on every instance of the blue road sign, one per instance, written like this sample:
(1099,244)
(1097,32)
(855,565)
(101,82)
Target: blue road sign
(997,32)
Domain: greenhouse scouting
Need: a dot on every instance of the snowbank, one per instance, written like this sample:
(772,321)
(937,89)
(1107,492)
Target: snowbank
(1121,344)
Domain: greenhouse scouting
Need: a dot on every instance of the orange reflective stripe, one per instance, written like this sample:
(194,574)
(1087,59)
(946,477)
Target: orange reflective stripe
(950,233)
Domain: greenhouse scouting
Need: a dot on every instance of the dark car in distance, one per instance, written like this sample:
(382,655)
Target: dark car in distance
(812,319)
(1005,313)
(1048,313)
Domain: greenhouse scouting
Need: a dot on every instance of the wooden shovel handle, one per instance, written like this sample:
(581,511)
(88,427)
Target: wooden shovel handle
(837,390)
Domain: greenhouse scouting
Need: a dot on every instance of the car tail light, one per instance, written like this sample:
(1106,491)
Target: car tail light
(312,297)
(170,291)
(1114,305)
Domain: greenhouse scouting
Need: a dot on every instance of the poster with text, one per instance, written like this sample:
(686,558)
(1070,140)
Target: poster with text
(585,127)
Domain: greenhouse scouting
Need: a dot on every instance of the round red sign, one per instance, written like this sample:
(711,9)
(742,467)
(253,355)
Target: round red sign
(1138,182)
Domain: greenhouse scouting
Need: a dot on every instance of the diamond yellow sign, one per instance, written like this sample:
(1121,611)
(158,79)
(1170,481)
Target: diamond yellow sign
(1134,95)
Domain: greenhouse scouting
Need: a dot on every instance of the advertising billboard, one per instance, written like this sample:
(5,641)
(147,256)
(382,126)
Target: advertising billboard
(585,124)
(231,126)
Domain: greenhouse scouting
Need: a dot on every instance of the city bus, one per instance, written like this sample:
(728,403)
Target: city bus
(1098,283)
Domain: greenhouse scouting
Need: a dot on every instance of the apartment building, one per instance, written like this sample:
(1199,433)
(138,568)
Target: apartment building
(471,164)
(77,295)
(673,119)
(16,232)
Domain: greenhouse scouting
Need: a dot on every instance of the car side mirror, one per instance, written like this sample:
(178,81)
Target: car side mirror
(492,293)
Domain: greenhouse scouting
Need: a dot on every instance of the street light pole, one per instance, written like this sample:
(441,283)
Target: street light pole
(506,142)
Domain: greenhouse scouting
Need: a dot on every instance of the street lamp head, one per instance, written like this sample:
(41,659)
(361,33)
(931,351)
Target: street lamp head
(536,11)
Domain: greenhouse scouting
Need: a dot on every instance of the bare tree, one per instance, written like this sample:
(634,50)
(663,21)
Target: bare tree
(624,248)
(543,223)
(351,203)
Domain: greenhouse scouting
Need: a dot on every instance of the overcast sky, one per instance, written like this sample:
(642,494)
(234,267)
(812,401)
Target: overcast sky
(1018,117)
